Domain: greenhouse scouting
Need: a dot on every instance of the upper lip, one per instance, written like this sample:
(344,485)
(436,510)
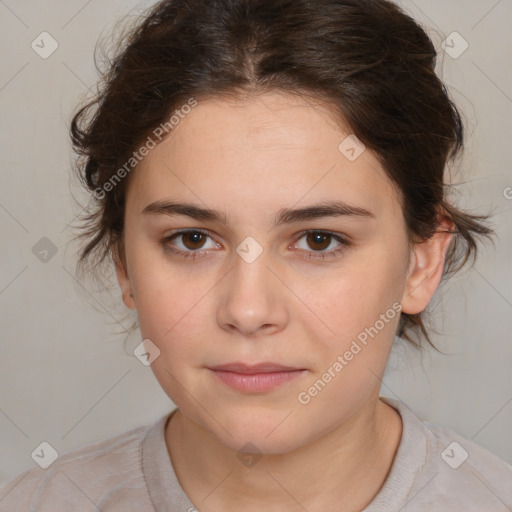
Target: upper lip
(265,367)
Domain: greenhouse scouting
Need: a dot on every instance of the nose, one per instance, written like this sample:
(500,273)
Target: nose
(252,299)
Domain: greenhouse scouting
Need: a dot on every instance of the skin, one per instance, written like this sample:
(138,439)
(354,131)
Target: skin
(250,158)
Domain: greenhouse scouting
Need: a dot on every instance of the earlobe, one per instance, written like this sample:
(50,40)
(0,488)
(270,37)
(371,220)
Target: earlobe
(426,270)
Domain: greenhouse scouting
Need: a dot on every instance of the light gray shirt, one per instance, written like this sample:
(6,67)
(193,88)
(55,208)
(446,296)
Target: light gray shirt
(433,469)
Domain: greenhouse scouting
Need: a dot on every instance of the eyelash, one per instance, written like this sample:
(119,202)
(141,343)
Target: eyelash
(344,244)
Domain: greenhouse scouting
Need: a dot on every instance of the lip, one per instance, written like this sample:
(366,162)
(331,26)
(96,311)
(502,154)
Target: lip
(265,367)
(257,378)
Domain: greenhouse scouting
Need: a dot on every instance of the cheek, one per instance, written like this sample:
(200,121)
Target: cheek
(349,300)
(165,294)
(174,309)
(174,323)
(351,361)
(171,318)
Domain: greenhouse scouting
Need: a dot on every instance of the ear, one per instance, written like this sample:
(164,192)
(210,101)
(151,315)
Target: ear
(124,280)
(426,268)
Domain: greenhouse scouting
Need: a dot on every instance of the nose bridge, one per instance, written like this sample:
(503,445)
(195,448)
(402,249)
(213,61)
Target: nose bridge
(250,274)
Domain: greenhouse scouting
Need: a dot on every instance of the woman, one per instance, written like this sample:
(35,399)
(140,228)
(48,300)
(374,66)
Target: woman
(268,181)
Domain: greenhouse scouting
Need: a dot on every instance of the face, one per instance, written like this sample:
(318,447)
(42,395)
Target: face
(272,278)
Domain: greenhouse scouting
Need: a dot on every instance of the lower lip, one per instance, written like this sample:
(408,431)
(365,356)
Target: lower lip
(257,382)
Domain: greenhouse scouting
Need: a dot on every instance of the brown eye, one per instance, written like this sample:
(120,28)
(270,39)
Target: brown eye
(193,239)
(321,244)
(193,242)
(318,241)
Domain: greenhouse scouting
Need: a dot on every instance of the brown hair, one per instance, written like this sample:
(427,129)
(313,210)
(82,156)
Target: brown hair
(368,59)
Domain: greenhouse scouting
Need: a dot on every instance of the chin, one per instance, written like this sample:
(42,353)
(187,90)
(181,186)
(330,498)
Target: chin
(266,438)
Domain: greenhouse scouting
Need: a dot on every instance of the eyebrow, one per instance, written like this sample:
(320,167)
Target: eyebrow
(284,216)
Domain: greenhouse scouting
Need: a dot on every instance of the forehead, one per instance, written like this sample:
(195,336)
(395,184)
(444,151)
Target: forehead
(270,149)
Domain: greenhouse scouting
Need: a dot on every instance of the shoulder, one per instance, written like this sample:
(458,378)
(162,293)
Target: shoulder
(435,468)
(438,469)
(467,473)
(99,476)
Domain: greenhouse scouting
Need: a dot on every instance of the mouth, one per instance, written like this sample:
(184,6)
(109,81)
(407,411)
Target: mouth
(256,378)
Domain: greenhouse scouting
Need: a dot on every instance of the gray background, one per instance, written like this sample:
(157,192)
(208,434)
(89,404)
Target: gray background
(66,374)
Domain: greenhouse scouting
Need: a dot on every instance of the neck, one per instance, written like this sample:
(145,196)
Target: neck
(344,469)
